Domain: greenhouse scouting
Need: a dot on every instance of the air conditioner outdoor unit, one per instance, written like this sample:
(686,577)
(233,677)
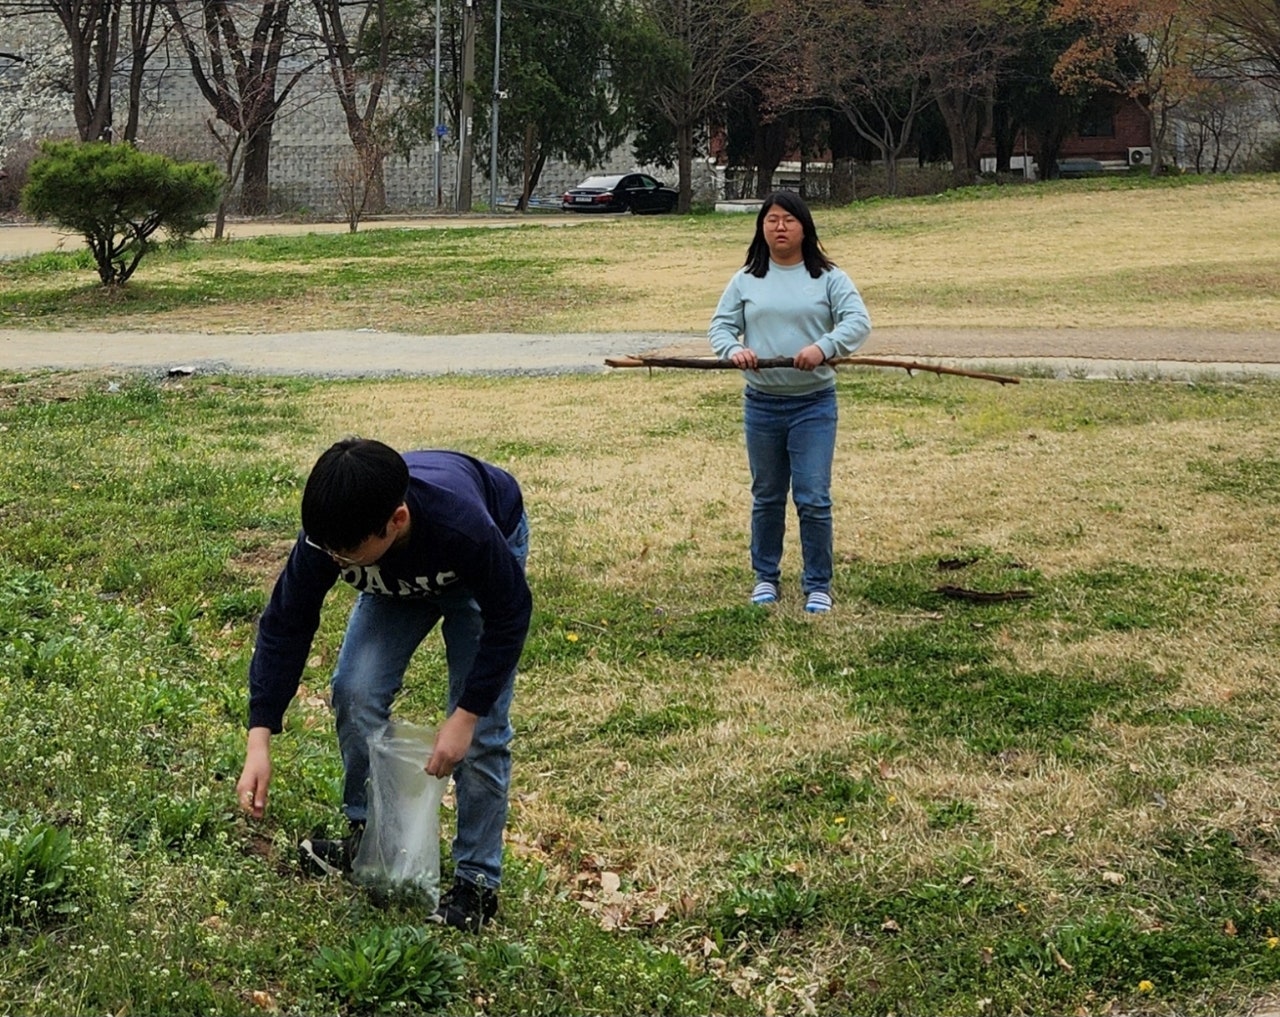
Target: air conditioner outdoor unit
(1140,156)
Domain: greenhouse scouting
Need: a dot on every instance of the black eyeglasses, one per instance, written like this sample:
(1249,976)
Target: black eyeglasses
(340,559)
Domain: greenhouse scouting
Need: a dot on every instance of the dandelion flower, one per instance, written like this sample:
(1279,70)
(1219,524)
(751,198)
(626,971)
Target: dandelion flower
(1146,986)
(571,636)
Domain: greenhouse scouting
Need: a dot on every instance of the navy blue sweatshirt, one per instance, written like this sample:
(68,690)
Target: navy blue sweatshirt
(461,513)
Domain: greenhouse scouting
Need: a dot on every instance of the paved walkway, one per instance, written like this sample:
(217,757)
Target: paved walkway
(1065,352)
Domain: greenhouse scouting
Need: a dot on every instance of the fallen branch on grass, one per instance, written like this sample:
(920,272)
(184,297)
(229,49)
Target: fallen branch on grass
(708,364)
(982,596)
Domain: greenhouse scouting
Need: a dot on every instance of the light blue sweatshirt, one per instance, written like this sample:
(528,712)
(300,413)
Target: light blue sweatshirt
(779,315)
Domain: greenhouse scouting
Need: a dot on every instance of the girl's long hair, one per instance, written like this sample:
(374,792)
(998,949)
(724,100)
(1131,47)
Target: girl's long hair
(815,259)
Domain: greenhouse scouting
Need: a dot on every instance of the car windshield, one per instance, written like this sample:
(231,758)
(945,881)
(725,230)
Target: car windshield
(602,182)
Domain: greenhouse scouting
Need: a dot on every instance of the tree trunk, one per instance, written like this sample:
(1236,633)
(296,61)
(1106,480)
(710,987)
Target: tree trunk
(94,34)
(135,99)
(960,114)
(770,146)
(526,166)
(142,20)
(1050,144)
(1004,133)
(843,181)
(538,164)
(684,155)
(1157,141)
(844,187)
(255,187)
(371,156)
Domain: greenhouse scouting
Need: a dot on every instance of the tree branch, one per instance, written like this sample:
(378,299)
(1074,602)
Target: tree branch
(708,364)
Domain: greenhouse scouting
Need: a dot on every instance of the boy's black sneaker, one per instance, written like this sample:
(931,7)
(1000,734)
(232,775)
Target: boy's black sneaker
(320,857)
(466,906)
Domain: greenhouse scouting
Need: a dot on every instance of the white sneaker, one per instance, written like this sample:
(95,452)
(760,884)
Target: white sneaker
(819,602)
(765,593)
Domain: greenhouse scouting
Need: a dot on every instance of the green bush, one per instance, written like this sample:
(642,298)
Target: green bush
(117,198)
(386,969)
(36,874)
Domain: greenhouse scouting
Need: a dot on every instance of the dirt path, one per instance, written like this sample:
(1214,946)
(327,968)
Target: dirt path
(1067,353)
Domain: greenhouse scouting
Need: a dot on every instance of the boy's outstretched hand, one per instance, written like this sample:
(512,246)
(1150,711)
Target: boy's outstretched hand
(251,788)
(452,742)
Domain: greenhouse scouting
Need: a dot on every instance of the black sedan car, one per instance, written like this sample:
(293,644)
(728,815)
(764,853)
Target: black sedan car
(623,192)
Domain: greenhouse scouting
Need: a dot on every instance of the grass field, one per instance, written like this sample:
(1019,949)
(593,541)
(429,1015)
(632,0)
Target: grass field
(1177,252)
(1062,803)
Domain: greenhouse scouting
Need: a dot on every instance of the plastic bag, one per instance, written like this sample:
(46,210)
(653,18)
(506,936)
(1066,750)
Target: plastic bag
(400,849)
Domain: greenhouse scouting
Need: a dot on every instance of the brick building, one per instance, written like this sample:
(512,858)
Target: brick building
(1113,133)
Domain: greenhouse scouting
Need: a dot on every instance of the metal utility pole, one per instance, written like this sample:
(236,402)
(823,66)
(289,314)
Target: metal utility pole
(436,125)
(464,115)
(493,124)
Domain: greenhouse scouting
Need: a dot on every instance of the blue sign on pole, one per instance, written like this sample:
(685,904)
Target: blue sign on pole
(442,130)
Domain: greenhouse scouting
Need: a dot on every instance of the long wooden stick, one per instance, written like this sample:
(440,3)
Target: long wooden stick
(709,364)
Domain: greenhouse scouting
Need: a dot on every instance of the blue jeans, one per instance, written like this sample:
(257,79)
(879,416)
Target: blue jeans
(791,441)
(381,635)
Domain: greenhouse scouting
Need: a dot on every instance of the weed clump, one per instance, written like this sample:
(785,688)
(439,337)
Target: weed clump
(386,969)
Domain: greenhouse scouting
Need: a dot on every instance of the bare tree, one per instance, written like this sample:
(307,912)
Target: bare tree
(359,179)
(358,57)
(1252,27)
(967,41)
(872,62)
(93,28)
(106,40)
(1220,124)
(144,38)
(237,54)
(704,50)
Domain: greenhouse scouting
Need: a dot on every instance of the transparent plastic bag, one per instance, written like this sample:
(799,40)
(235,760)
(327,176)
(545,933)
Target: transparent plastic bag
(400,850)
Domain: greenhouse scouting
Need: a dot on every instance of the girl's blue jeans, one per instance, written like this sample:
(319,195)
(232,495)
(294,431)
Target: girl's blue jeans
(382,634)
(791,442)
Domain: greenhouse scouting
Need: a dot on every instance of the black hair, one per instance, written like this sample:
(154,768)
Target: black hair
(353,490)
(815,259)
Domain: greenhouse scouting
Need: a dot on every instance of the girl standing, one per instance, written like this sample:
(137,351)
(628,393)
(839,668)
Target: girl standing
(789,300)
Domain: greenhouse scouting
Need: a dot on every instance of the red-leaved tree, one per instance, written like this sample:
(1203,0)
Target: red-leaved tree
(1166,42)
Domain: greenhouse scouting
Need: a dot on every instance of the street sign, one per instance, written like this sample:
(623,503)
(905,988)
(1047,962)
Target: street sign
(442,130)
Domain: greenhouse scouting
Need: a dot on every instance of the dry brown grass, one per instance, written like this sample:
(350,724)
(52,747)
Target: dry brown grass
(637,486)
(1188,257)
